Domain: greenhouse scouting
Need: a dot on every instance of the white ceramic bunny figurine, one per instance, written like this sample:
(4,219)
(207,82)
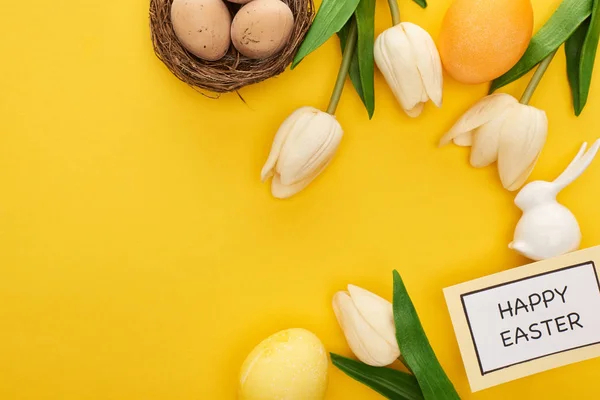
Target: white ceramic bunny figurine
(548,229)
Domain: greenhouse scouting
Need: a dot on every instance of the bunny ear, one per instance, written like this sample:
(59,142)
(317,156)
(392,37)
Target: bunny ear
(579,164)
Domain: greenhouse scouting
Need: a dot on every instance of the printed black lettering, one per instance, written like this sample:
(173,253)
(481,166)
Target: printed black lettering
(574,320)
(562,294)
(548,298)
(537,298)
(519,304)
(546,322)
(533,329)
(505,339)
(519,335)
(559,324)
(505,310)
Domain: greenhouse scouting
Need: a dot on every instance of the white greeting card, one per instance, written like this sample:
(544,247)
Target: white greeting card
(528,319)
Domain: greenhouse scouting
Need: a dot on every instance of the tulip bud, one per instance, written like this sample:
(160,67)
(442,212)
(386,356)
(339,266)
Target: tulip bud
(368,324)
(303,146)
(408,59)
(501,129)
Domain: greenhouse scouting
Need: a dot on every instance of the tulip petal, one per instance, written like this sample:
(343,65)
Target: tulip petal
(521,141)
(377,312)
(486,140)
(364,342)
(395,59)
(281,191)
(428,61)
(465,140)
(309,148)
(415,111)
(482,112)
(280,138)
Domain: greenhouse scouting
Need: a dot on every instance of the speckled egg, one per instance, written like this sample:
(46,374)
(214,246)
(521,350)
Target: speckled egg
(203,27)
(291,365)
(261,28)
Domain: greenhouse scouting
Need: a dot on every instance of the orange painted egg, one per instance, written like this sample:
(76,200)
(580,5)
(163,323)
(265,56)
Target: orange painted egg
(482,39)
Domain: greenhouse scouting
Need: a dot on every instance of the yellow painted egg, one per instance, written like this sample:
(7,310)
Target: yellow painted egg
(482,39)
(289,365)
(203,27)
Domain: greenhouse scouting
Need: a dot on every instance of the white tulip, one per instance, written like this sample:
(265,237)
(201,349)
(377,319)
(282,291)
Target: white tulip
(408,59)
(368,324)
(303,147)
(499,128)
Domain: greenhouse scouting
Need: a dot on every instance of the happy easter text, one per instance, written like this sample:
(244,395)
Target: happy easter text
(539,329)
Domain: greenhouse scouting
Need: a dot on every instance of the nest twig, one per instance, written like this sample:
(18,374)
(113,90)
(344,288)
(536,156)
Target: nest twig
(233,71)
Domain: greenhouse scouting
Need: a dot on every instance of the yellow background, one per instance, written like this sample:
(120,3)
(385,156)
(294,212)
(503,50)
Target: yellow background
(141,257)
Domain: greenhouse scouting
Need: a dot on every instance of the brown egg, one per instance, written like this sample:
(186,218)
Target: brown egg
(261,28)
(203,27)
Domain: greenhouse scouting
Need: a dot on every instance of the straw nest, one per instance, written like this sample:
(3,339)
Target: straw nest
(233,71)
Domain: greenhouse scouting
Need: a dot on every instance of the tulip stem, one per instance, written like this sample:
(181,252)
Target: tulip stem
(395,11)
(343,72)
(537,77)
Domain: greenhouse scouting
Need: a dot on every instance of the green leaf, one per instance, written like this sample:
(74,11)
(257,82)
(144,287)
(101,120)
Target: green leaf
(422,3)
(392,384)
(415,347)
(588,57)
(365,22)
(362,66)
(561,25)
(573,48)
(331,17)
